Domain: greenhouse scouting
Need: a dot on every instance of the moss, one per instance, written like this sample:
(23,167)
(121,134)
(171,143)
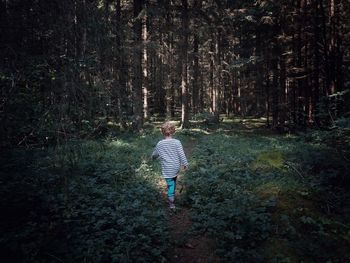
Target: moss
(269,159)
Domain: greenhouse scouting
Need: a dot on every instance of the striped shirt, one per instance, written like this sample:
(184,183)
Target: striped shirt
(171,155)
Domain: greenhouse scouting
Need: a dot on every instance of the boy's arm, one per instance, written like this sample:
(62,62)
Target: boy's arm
(155,154)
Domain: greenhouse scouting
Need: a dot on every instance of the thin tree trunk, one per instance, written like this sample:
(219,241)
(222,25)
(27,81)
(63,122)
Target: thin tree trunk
(122,70)
(169,65)
(332,45)
(137,69)
(196,72)
(267,103)
(145,69)
(212,76)
(283,91)
(275,91)
(217,79)
(197,5)
(184,56)
(316,66)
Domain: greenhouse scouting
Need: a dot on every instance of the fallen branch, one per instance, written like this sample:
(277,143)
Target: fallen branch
(290,165)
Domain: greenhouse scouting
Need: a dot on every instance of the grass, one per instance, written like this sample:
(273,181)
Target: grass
(91,201)
(260,197)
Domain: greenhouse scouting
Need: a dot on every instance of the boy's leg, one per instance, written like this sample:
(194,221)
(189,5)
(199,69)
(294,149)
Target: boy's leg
(171,184)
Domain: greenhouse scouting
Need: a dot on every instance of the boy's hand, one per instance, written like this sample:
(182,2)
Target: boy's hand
(155,155)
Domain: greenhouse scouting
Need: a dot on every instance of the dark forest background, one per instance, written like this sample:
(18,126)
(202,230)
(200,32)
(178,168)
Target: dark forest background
(79,67)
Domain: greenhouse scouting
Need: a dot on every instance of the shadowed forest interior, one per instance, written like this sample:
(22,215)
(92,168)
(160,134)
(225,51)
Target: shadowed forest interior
(259,92)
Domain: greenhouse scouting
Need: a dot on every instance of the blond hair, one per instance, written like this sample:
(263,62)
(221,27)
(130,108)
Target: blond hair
(168,129)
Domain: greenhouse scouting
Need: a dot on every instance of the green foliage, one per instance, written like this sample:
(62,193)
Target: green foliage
(269,159)
(343,122)
(333,110)
(84,201)
(223,205)
(201,116)
(262,198)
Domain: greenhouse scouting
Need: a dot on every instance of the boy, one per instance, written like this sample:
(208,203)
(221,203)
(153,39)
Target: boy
(172,157)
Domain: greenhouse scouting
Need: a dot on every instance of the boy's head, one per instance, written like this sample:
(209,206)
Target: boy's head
(168,129)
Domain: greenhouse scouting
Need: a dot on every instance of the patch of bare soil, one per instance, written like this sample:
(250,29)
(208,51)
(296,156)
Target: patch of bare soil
(185,247)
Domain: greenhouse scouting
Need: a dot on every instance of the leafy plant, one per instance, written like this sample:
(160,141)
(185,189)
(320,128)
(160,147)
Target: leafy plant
(84,201)
(246,190)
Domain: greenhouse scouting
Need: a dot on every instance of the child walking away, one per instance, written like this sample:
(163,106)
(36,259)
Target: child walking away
(172,158)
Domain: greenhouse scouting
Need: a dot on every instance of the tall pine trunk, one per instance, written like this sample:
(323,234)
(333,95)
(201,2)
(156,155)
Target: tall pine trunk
(145,87)
(184,58)
(137,69)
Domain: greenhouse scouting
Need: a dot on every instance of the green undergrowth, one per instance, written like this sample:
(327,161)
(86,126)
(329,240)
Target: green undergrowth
(270,198)
(259,197)
(85,201)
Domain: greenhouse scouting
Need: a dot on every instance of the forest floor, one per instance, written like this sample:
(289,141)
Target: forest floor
(249,195)
(300,212)
(186,247)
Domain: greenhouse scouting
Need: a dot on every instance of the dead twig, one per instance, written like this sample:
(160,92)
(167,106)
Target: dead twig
(290,165)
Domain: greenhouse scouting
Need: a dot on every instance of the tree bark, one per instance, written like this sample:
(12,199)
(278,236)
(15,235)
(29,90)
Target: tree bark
(196,72)
(137,122)
(184,57)
(145,86)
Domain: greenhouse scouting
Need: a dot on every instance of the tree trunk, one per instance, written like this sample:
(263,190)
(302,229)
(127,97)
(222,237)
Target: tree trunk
(332,45)
(316,66)
(267,102)
(137,122)
(196,72)
(145,69)
(283,94)
(121,70)
(197,6)
(275,91)
(184,56)
(169,64)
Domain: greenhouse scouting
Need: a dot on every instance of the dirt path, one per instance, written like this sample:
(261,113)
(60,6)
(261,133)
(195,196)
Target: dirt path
(186,248)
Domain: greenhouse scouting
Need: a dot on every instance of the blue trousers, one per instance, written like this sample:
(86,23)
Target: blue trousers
(171,183)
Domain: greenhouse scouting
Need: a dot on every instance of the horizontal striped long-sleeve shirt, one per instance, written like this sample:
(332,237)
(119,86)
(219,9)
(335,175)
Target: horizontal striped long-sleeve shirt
(171,155)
